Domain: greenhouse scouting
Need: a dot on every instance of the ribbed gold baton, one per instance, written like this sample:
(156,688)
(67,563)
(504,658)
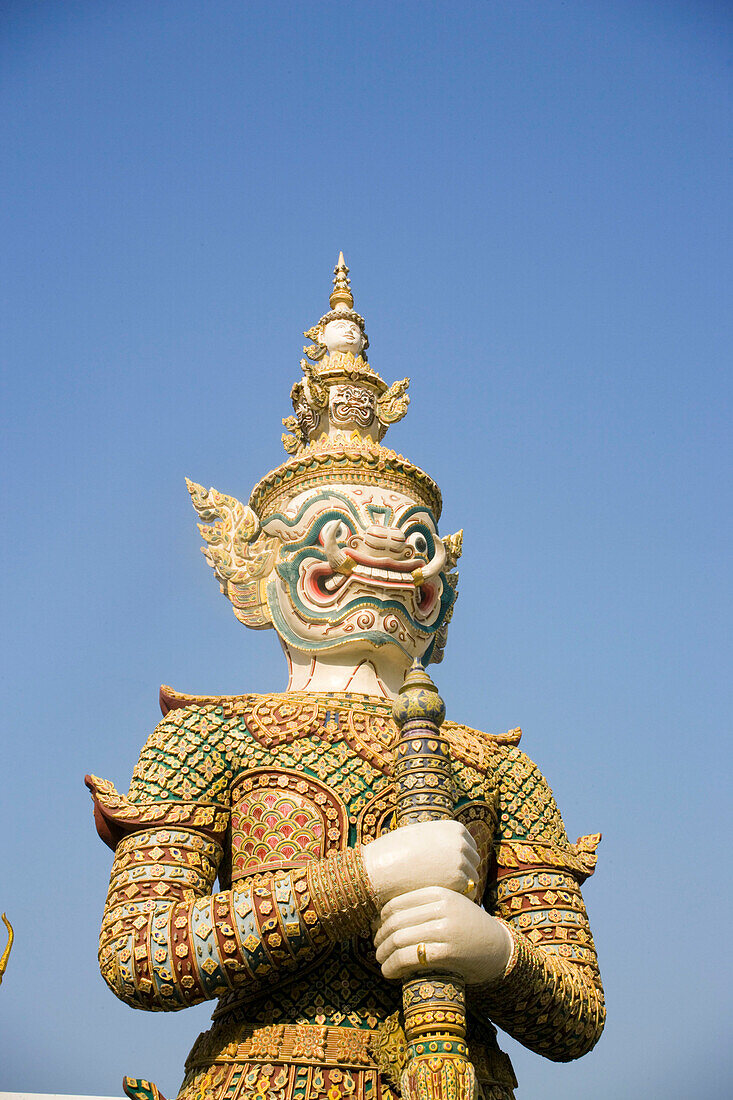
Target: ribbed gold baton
(434,1004)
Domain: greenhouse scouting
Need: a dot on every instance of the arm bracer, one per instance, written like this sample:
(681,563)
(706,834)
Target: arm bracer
(166,942)
(550,997)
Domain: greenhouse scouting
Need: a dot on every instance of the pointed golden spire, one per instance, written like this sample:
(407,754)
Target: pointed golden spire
(341,294)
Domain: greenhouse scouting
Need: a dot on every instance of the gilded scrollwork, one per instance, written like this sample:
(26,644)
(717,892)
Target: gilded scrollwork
(392,404)
(240,555)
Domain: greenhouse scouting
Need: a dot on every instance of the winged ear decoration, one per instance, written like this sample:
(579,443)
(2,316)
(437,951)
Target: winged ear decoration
(240,554)
(453,547)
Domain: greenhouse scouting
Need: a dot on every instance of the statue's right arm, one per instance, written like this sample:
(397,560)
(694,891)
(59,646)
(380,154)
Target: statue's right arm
(167,942)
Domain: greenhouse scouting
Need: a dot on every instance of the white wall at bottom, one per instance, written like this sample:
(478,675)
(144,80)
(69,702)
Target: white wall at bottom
(51,1096)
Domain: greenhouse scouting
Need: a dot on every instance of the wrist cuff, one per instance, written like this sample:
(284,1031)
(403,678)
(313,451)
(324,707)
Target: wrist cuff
(342,894)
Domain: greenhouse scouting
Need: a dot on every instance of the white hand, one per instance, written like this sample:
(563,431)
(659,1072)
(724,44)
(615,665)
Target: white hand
(434,853)
(459,937)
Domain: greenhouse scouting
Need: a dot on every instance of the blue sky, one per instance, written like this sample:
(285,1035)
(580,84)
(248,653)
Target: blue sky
(534,199)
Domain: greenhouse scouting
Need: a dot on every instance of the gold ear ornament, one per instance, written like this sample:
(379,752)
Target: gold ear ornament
(240,554)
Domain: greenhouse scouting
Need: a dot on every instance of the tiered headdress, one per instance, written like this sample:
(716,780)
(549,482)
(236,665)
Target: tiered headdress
(342,410)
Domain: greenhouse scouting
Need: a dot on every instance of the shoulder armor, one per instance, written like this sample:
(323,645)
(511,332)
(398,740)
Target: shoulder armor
(181,779)
(170,699)
(478,749)
(116,815)
(188,756)
(531,830)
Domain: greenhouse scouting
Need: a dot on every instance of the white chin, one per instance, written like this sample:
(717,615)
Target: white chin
(368,629)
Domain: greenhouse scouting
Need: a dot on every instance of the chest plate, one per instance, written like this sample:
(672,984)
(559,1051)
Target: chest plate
(281,818)
(314,777)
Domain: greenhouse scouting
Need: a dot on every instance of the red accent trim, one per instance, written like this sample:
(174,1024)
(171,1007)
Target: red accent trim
(107,829)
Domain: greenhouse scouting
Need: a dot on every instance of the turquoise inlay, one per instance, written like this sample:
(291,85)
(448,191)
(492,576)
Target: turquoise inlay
(290,521)
(378,510)
(290,569)
(311,536)
(418,510)
(425,531)
(205,946)
(232,1086)
(375,636)
(161,959)
(289,914)
(249,933)
(446,599)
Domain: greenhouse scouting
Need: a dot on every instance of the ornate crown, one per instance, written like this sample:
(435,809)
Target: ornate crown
(344,459)
(342,410)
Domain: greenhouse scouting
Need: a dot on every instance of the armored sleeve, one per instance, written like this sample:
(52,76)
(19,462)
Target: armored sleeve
(166,942)
(550,997)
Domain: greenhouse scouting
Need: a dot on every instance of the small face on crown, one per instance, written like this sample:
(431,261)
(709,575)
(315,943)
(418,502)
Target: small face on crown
(343,335)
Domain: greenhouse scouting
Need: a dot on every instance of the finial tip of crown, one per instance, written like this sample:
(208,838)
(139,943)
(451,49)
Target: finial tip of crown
(341,294)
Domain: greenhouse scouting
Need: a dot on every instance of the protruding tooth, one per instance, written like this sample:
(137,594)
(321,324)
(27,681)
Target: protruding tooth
(334,582)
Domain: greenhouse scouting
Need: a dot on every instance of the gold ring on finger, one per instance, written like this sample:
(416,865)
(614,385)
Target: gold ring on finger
(422,956)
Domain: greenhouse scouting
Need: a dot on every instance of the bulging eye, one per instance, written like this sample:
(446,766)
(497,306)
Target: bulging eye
(419,543)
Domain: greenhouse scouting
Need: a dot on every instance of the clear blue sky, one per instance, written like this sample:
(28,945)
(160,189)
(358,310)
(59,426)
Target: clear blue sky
(534,199)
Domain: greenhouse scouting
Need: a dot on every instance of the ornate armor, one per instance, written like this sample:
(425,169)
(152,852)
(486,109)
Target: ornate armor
(275,794)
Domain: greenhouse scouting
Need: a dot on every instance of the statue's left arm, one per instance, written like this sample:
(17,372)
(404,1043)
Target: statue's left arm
(550,996)
(528,957)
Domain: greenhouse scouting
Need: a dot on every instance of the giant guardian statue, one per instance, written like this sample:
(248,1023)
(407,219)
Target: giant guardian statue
(392,885)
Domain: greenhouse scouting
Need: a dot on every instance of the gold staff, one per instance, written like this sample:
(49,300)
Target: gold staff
(434,1004)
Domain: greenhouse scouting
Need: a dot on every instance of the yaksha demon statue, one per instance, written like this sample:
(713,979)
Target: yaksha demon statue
(391,885)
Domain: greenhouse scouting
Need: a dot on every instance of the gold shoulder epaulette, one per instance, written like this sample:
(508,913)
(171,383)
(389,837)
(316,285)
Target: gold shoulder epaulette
(477,748)
(170,699)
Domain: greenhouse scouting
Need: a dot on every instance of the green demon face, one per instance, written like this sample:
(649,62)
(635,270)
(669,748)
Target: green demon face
(359,564)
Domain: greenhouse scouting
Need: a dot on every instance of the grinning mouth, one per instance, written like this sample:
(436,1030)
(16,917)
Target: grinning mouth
(324,587)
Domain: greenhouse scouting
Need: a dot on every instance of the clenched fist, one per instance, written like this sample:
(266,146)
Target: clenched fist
(433,853)
(454,935)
